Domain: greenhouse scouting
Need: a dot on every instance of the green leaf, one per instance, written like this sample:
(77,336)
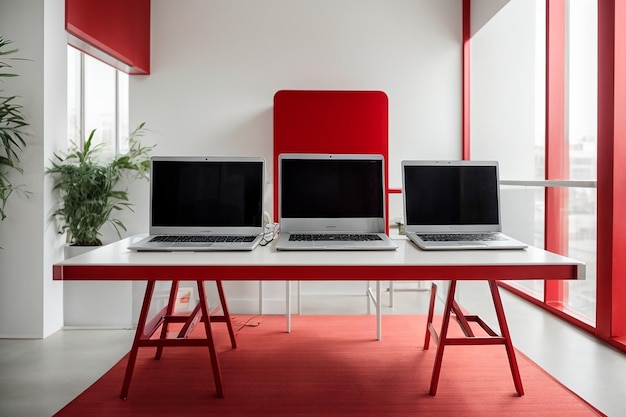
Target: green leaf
(12,124)
(88,188)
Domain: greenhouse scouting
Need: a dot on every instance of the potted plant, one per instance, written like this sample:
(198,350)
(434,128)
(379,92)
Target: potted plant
(89,187)
(12,123)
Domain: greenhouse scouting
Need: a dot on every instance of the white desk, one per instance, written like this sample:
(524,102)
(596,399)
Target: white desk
(115,262)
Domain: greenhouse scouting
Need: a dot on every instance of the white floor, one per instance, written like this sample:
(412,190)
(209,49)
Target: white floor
(38,377)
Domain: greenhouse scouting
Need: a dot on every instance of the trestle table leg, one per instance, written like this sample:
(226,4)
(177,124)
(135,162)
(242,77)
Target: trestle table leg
(504,329)
(229,323)
(217,374)
(492,338)
(442,338)
(132,357)
(171,303)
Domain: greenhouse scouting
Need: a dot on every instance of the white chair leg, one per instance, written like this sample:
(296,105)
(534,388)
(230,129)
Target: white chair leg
(288,305)
(375,297)
(379,315)
(299,297)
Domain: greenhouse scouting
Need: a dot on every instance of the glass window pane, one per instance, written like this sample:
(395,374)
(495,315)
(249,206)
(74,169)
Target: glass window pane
(97,99)
(523,218)
(100,102)
(73,95)
(123,112)
(582,218)
(582,91)
(581,128)
(510,84)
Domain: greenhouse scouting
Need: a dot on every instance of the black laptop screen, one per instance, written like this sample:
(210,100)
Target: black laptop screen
(207,193)
(332,188)
(451,195)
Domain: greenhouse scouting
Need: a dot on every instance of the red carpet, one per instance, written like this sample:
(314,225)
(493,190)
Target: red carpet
(328,366)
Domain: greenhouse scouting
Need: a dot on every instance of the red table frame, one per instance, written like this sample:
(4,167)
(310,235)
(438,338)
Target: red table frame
(201,313)
(492,338)
(114,262)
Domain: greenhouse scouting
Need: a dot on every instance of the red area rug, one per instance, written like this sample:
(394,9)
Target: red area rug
(327,366)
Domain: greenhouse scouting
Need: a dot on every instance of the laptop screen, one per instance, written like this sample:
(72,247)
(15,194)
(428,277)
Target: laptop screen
(331,186)
(206,192)
(451,195)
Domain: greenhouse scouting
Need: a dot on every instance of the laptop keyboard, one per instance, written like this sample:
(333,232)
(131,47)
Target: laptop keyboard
(461,237)
(343,237)
(203,238)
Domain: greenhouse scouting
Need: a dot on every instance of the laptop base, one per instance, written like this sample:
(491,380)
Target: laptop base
(384,243)
(509,243)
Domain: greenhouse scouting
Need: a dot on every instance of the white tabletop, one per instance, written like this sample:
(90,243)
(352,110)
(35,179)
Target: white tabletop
(116,262)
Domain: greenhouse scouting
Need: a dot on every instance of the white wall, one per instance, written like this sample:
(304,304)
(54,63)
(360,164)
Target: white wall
(217,64)
(507,79)
(215,68)
(30,302)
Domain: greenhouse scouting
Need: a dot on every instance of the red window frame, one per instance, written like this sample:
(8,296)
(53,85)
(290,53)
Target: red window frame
(611,180)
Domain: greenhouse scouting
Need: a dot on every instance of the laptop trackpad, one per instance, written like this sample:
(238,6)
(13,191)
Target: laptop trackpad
(472,244)
(192,245)
(333,244)
(459,243)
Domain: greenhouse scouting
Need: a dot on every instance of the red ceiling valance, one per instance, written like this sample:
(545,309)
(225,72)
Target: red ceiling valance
(114,31)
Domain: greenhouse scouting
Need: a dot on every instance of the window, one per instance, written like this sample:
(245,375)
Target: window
(535,109)
(581,92)
(97,99)
(573,233)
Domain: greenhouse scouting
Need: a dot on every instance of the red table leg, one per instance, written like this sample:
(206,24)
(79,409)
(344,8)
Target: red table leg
(229,323)
(139,333)
(491,338)
(504,328)
(443,338)
(171,302)
(145,331)
(431,312)
(217,374)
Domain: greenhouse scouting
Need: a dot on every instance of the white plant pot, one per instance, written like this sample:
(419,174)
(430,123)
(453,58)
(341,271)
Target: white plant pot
(70,251)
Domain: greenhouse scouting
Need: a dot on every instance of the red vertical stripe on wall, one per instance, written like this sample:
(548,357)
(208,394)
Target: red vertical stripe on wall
(557,152)
(114,31)
(611,193)
(466,79)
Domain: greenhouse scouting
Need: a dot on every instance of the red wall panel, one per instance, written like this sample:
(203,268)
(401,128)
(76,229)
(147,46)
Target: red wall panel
(114,31)
(320,121)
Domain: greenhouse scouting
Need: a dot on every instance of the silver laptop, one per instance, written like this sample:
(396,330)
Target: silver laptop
(454,205)
(205,204)
(332,202)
